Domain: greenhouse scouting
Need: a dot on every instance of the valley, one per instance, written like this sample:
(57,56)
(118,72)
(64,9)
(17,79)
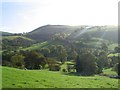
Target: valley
(61,56)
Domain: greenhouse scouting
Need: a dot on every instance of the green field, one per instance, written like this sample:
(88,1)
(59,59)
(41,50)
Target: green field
(16,78)
(37,46)
(15,37)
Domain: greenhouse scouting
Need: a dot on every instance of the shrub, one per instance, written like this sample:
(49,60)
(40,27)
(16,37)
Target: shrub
(54,67)
(117,68)
(64,70)
(18,61)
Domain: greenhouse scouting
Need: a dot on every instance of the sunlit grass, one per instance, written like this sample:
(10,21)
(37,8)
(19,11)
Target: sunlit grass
(15,78)
(109,71)
(112,46)
(115,54)
(15,37)
(36,46)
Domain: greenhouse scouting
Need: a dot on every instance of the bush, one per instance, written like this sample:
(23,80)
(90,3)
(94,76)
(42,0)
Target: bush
(69,67)
(117,68)
(34,60)
(18,61)
(54,67)
(64,70)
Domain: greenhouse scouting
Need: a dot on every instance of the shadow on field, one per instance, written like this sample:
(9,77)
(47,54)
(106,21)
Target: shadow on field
(71,74)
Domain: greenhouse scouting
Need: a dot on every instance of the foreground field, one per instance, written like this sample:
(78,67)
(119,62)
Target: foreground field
(15,78)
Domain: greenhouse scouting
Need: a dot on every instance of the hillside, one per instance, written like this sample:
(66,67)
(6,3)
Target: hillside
(12,37)
(46,32)
(37,46)
(92,36)
(47,79)
(109,33)
(5,33)
(45,44)
(15,42)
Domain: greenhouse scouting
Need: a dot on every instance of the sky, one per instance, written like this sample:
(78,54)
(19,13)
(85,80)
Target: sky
(20,16)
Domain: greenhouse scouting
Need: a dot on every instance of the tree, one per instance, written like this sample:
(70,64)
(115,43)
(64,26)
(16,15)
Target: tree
(117,49)
(86,37)
(114,60)
(59,36)
(53,50)
(79,67)
(34,60)
(104,47)
(86,63)
(62,53)
(6,58)
(72,54)
(18,60)
(45,51)
(102,61)
(53,65)
(117,68)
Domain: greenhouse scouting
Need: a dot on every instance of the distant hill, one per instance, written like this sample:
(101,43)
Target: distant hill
(46,32)
(91,36)
(5,33)
(109,33)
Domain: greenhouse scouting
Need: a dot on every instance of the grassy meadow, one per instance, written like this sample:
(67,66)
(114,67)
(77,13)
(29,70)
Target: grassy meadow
(16,78)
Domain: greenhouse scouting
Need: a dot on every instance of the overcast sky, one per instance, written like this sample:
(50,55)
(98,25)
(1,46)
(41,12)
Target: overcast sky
(27,15)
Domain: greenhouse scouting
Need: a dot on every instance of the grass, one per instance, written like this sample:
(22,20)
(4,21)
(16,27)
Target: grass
(96,42)
(115,54)
(16,78)
(15,37)
(109,72)
(112,46)
(10,37)
(37,46)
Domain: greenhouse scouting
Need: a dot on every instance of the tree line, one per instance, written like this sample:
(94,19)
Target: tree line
(87,61)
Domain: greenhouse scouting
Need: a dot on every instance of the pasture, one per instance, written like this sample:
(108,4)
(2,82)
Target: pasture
(16,78)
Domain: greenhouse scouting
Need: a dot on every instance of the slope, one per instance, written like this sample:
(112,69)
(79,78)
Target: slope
(15,42)
(46,32)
